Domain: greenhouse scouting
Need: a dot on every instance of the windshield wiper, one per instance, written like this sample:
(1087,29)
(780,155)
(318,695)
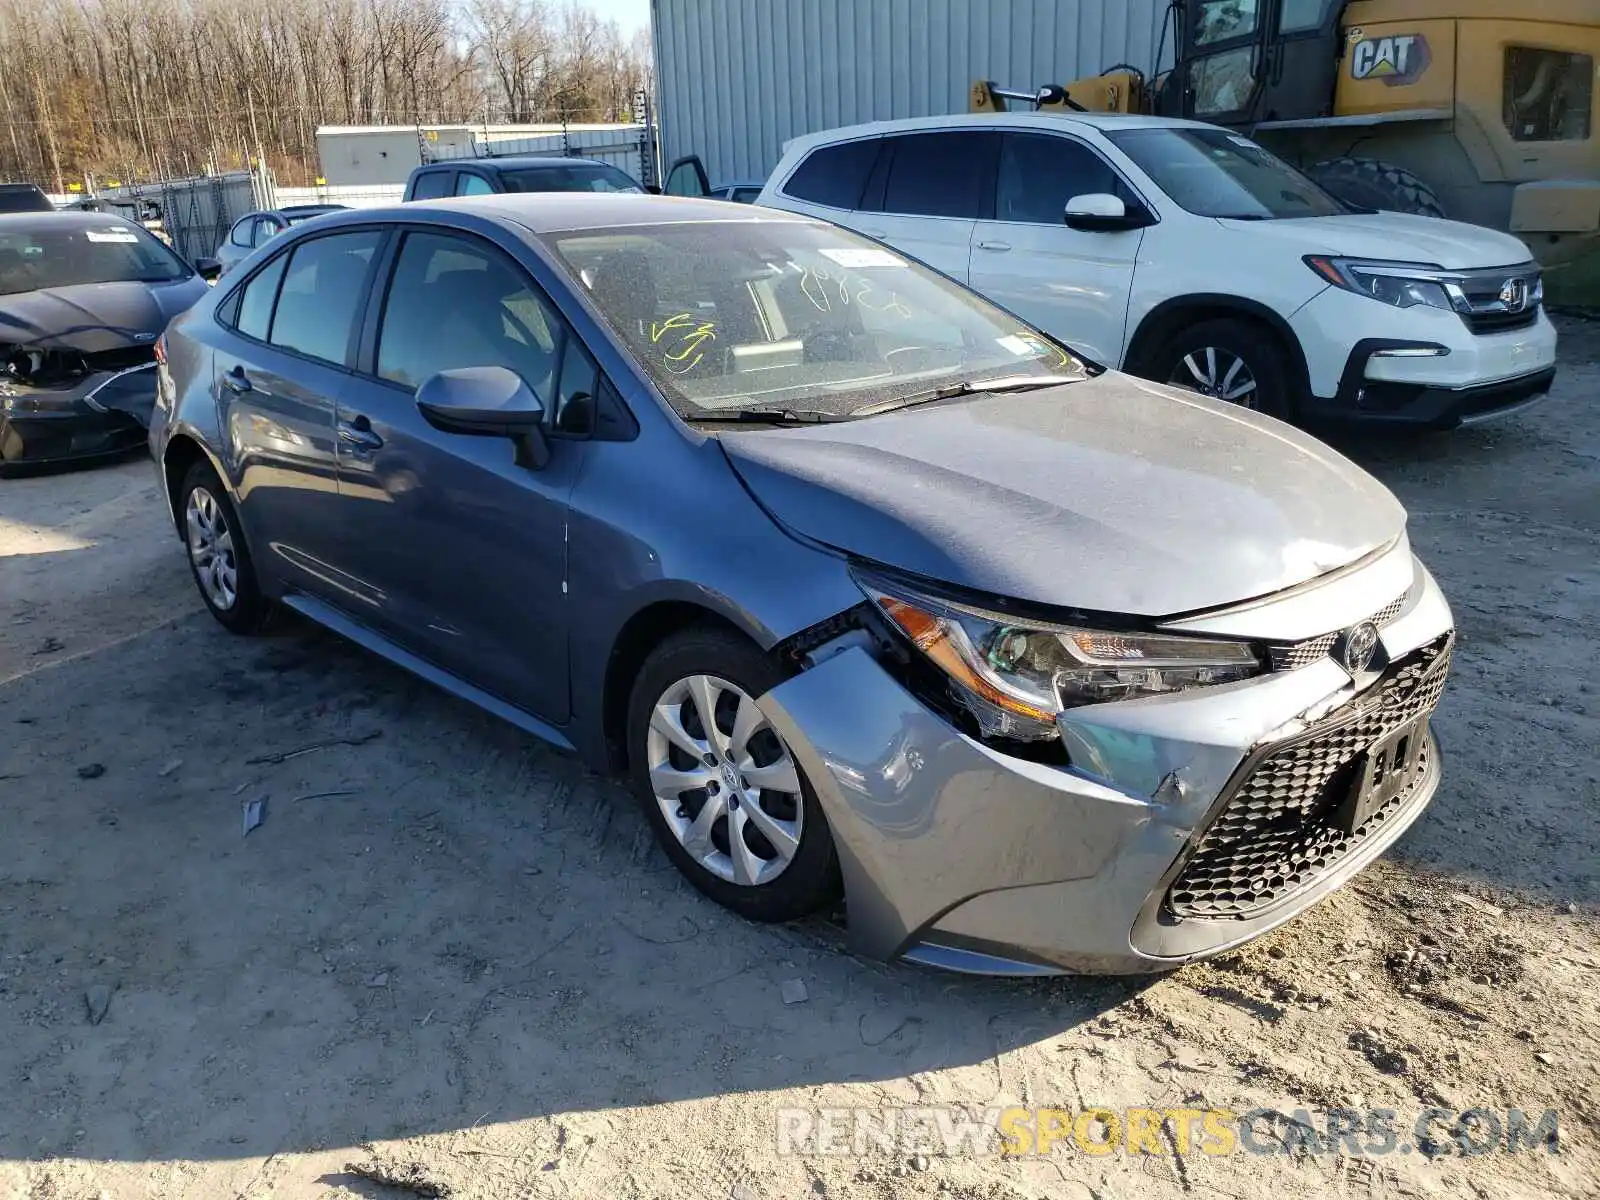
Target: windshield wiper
(768,416)
(967,387)
(1243,217)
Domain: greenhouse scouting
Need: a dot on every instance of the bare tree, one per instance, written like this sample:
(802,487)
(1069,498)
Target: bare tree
(139,89)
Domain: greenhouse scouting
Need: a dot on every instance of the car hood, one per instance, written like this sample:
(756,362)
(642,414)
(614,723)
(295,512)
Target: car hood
(1109,495)
(1396,237)
(91,317)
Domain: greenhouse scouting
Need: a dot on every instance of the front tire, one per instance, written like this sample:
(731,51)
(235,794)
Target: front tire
(721,789)
(219,560)
(1236,361)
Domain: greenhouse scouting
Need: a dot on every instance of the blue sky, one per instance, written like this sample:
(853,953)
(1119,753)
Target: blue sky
(632,15)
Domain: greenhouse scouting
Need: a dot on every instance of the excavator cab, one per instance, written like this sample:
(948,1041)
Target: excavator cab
(1245,61)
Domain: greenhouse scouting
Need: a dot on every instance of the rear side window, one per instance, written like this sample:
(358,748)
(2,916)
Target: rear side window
(255,304)
(939,174)
(321,295)
(433,185)
(834,175)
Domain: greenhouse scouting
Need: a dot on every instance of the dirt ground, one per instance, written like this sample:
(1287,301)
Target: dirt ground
(450,946)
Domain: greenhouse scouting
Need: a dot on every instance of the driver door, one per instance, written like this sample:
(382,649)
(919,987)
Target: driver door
(687,177)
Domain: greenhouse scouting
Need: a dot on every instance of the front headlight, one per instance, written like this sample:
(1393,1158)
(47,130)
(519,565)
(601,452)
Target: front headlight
(1016,676)
(1404,285)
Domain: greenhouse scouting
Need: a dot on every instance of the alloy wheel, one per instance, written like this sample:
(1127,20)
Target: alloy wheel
(1218,373)
(210,543)
(726,783)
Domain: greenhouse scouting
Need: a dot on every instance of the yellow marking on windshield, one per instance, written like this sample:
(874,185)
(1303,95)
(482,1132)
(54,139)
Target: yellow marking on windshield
(683,353)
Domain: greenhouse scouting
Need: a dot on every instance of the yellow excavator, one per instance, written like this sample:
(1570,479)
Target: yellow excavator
(1473,109)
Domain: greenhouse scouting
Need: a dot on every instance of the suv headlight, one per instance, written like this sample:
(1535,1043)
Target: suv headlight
(1404,285)
(1015,676)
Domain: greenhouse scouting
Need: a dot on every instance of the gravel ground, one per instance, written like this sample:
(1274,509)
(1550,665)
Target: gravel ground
(452,957)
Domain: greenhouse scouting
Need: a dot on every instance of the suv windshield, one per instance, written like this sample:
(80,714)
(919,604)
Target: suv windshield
(739,315)
(1214,173)
(36,258)
(578,177)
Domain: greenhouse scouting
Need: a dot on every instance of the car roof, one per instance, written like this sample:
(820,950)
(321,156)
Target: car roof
(1084,122)
(32,222)
(556,212)
(299,209)
(516,162)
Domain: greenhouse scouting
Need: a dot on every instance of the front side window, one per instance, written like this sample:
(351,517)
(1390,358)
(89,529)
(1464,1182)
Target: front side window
(65,253)
(321,295)
(569,177)
(255,304)
(1040,173)
(433,184)
(1549,95)
(1214,173)
(468,184)
(455,303)
(736,315)
(937,174)
(834,175)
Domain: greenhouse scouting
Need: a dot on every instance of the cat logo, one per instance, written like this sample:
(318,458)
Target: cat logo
(1397,60)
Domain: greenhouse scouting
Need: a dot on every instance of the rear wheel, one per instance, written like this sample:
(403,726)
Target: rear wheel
(218,557)
(1369,183)
(720,787)
(1227,359)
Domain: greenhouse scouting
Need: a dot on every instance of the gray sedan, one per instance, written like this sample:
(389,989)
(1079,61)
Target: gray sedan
(870,589)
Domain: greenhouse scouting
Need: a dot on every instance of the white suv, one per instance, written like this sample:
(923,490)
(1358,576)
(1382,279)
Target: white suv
(1188,254)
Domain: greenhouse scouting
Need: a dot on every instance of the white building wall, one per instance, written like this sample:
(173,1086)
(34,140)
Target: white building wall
(735,79)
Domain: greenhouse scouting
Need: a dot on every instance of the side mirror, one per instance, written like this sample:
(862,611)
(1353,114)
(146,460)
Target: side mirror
(208,269)
(487,402)
(1100,212)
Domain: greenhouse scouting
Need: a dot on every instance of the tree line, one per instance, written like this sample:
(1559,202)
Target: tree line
(148,89)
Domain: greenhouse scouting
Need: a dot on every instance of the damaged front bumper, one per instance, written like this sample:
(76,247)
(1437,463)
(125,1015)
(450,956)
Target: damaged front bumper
(93,417)
(957,855)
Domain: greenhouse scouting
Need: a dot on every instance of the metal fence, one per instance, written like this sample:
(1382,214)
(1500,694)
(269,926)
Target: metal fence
(197,213)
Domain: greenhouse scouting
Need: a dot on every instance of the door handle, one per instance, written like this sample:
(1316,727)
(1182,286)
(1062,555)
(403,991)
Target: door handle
(358,434)
(236,380)
(994,246)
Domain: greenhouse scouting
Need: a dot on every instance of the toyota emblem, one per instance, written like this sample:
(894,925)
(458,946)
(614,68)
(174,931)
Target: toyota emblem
(1358,645)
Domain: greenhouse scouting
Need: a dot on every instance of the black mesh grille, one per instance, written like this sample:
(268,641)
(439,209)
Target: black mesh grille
(1303,654)
(1494,322)
(1277,832)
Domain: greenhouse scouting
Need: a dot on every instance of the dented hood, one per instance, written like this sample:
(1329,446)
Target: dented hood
(1111,495)
(93,317)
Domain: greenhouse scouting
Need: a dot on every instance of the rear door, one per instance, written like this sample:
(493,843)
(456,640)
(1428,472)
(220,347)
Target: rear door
(1071,283)
(295,325)
(928,192)
(460,553)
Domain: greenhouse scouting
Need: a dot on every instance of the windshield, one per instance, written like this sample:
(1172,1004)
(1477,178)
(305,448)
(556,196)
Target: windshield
(1214,173)
(37,258)
(738,315)
(576,177)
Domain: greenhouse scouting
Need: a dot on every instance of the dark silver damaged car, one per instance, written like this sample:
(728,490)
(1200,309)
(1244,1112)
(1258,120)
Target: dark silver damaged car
(872,590)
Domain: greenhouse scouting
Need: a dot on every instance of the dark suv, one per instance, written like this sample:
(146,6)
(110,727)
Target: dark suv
(486,176)
(24,197)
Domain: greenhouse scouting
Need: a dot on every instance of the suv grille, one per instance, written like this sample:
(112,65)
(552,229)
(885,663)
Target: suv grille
(1499,301)
(1302,654)
(1277,831)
